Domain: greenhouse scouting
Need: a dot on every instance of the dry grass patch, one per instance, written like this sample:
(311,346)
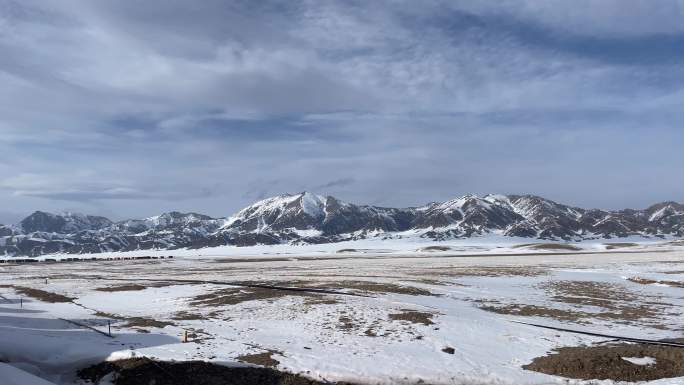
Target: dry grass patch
(647,281)
(262,359)
(589,293)
(234,296)
(187,316)
(42,295)
(346,323)
(495,271)
(435,248)
(548,246)
(618,302)
(142,322)
(380,287)
(606,362)
(132,287)
(321,300)
(537,311)
(144,371)
(415,317)
(620,245)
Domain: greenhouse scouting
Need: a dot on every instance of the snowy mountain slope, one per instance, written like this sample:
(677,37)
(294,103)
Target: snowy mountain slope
(307,218)
(62,223)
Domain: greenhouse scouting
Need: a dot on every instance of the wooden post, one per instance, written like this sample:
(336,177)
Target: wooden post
(109,327)
(21,302)
(185,336)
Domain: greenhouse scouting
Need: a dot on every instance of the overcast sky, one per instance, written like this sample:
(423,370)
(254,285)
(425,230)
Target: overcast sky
(133,108)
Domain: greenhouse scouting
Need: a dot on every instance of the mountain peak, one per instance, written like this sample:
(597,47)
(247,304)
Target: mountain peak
(65,223)
(306,217)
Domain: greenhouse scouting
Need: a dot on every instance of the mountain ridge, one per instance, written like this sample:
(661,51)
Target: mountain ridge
(306,218)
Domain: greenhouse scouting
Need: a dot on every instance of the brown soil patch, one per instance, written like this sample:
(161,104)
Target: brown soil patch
(187,316)
(646,281)
(144,371)
(347,251)
(240,260)
(320,300)
(234,296)
(605,362)
(618,301)
(346,323)
(548,246)
(42,295)
(415,317)
(132,287)
(435,248)
(434,282)
(261,359)
(108,315)
(380,287)
(589,293)
(538,311)
(620,245)
(496,271)
(136,322)
(142,322)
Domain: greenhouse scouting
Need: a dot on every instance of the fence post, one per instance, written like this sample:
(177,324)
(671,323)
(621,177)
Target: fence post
(109,327)
(21,302)
(185,336)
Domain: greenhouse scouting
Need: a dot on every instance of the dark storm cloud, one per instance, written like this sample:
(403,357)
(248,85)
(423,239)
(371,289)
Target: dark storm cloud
(132,108)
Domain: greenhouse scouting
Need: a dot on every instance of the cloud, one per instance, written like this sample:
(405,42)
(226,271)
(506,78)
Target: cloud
(137,107)
(341,182)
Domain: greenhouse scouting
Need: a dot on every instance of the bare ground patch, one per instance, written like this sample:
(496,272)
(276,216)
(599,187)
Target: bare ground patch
(647,281)
(494,271)
(620,245)
(234,296)
(262,359)
(41,295)
(381,287)
(133,287)
(605,362)
(143,322)
(135,322)
(415,317)
(548,246)
(191,316)
(144,371)
(435,248)
(619,303)
(346,323)
(537,311)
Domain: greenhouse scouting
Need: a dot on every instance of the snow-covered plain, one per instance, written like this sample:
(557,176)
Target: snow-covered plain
(364,339)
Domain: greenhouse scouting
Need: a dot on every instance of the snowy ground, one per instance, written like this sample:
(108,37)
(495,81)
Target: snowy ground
(414,306)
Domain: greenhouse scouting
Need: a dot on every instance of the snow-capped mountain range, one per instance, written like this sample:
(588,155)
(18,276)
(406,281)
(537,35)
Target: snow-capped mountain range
(306,218)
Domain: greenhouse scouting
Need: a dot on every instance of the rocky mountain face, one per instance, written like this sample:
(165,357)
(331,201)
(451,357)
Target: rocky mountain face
(62,224)
(308,218)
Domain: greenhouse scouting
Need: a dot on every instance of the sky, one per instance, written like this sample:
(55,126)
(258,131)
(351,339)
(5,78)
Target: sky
(132,108)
